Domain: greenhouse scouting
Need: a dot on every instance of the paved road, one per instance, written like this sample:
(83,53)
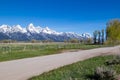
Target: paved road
(25,68)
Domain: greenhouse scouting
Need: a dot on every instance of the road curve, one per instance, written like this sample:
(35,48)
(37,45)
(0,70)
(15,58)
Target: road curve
(25,68)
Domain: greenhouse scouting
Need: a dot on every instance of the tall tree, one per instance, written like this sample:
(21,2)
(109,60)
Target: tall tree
(95,33)
(102,36)
(113,31)
(99,37)
(107,32)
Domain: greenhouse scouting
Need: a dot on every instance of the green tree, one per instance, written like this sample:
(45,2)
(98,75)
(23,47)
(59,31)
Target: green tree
(113,31)
(33,41)
(107,32)
(74,40)
(89,41)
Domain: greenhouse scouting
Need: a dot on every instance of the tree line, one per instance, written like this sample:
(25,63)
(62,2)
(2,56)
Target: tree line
(111,35)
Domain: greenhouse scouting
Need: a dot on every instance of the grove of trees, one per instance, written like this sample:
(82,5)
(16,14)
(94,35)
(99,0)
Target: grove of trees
(112,33)
(98,36)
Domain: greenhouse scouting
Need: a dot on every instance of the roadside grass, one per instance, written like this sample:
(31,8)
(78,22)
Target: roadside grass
(19,51)
(78,71)
(26,54)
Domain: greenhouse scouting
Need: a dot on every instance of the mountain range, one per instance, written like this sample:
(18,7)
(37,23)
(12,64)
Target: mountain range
(38,33)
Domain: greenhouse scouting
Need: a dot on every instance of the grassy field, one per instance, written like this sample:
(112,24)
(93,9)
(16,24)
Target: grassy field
(25,50)
(77,71)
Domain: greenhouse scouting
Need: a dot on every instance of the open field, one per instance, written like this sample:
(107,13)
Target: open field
(78,71)
(11,51)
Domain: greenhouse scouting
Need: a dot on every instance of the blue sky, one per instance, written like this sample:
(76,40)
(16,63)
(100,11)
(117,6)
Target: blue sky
(61,15)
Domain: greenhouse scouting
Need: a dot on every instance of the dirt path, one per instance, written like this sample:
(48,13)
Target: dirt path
(25,68)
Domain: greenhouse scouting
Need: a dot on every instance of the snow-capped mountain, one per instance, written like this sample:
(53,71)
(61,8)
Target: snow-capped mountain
(5,28)
(32,29)
(19,33)
(18,28)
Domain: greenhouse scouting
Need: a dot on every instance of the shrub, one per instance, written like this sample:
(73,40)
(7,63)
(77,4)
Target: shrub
(114,61)
(104,73)
(74,41)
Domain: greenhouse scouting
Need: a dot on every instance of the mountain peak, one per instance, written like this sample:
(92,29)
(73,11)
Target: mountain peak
(31,32)
(32,29)
(88,35)
(18,28)
(31,25)
(5,28)
(47,28)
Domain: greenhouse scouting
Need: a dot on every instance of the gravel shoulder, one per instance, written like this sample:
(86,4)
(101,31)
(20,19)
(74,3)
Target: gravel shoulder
(25,68)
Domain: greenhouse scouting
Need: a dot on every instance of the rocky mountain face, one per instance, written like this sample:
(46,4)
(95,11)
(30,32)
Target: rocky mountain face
(38,33)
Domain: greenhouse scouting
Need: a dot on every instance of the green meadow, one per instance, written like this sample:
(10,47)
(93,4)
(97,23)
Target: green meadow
(14,51)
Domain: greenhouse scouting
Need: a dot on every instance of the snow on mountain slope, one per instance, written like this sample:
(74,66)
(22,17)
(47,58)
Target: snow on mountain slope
(49,31)
(5,28)
(18,28)
(39,29)
(31,32)
(32,29)
(86,35)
